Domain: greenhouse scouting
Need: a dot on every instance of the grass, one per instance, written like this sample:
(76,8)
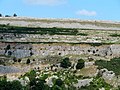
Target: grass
(115,35)
(31,30)
(97,23)
(112,65)
(82,34)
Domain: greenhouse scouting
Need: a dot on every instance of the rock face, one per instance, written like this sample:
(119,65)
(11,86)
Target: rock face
(62,50)
(109,75)
(115,50)
(25,50)
(84,27)
(18,53)
(84,82)
(8,69)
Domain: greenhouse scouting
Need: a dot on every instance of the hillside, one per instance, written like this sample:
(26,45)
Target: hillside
(60,23)
(42,44)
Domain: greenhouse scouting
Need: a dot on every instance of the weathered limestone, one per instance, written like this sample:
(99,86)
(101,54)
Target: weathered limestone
(25,50)
(108,75)
(8,69)
(83,82)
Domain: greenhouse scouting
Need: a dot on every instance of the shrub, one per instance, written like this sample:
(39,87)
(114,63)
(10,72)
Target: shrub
(31,53)
(80,64)
(28,61)
(0,15)
(59,82)
(14,59)
(9,53)
(19,60)
(8,47)
(65,63)
(7,16)
(112,65)
(10,85)
(14,15)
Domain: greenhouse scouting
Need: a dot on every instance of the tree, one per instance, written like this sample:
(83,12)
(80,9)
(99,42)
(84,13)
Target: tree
(16,85)
(80,64)
(7,16)
(8,47)
(19,60)
(65,63)
(1,37)
(31,53)
(14,15)
(28,61)
(15,59)
(9,53)
(0,15)
(10,85)
(59,82)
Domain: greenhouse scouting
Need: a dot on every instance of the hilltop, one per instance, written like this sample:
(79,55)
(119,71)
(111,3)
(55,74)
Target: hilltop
(61,23)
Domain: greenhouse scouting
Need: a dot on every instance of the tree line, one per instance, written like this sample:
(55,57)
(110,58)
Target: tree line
(14,15)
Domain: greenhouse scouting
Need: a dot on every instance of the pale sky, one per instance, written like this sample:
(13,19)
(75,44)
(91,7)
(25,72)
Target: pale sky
(81,9)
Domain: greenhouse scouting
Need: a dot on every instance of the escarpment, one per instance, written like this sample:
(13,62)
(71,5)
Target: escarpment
(25,50)
(30,42)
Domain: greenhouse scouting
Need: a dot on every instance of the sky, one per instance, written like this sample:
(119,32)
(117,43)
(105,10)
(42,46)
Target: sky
(76,9)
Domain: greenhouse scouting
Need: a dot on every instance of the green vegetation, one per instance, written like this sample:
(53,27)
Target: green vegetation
(9,85)
(0,15)
(96,84)
(31,30)
(58,83)
(82,34)
(115,35)
(80,64)
(28,61)
(113,65)
(65,63)
(96,44)
(65,81)
(7,48)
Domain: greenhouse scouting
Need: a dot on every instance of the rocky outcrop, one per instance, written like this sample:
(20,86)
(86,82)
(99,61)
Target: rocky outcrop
(25,50)
(109,75)
(8,69)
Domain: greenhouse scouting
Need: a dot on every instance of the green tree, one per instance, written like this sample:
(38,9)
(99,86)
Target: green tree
(7,48)
(7,85)
(80,64)
(15,85)
(28,61)
(14,15)
(65,63)
(59,82)
(0,15)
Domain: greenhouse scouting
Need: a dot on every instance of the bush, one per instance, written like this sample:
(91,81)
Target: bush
(7,16)
(96,84)
(19,60)
(65,63)
(28,61)
(0,15)
(59,82)
(31,53)
(15,59)
(9,53)
(80,64)
(112,65)
(14,15)
(7,85)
